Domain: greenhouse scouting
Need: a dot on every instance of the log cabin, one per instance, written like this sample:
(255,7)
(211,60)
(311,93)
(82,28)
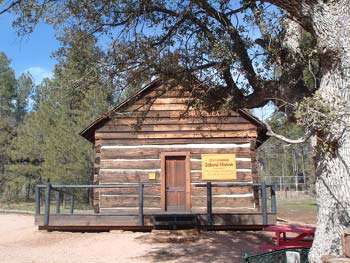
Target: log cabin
(197,168)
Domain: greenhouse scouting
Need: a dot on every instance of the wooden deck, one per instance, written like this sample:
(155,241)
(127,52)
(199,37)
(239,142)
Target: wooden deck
(145,219)
(106,222)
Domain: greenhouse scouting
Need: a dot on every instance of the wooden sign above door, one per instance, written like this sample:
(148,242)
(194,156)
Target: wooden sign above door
(219,167)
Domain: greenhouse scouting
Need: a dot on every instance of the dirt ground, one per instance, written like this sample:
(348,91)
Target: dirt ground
(21,242)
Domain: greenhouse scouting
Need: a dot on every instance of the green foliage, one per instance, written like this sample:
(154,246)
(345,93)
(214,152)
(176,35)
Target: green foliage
(48,145)
(311,72)
(323,117)
(280,161)
(14,95)
(7,86)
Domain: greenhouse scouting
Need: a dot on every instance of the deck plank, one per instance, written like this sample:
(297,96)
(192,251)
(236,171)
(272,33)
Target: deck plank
(237,220)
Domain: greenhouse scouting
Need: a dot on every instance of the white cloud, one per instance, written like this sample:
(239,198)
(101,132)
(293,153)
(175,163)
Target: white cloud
(39,73)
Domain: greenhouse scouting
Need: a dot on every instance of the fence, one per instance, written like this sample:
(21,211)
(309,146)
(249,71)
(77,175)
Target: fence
(261,188)
(288,183)
(63,190)
(290,167)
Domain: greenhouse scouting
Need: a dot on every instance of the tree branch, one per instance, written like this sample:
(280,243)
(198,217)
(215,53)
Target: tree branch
(271,133)
(13,4)
(240,9)
(297,10)
(240,48)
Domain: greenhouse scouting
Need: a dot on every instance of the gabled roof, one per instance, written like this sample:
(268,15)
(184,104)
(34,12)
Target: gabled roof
(88,132)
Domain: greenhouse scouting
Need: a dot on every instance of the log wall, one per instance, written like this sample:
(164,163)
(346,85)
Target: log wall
(129,145)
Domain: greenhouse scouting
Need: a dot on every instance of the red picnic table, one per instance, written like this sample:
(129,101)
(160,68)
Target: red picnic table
(302,236)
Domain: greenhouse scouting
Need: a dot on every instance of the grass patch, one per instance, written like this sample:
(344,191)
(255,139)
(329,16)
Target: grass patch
(300,210)
(299,204)
(23,206)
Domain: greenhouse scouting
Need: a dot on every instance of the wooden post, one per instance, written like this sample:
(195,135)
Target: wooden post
(273,199)
(209,204)
(47,204)
(72,204)
(280,189)
(58,202)
(141,218)
(37,200)
(264,203)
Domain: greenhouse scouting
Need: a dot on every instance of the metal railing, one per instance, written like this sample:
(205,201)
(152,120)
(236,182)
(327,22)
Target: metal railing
(62,190)
(261,188)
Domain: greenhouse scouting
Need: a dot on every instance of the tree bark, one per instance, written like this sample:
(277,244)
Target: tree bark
(331,24)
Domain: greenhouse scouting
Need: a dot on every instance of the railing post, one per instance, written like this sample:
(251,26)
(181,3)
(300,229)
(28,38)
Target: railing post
(71,204)
(58,202)
(264,203)
(141,218)
(37,200)
(47,204)
(273,199)
(209,204)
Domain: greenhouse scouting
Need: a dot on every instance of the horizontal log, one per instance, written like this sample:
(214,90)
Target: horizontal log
(187,146)
(154,164)
(195,191)
(158,107)
(172,114)
(132,176)
(201,191)
(125,176)
(196,177)
(126,142)
(177,134)
(162,100)
(178,127)
(168,92)
(147,120)
(155,155)
(148,190)
(130,164)
(230,202)
(128,201)
(154,152)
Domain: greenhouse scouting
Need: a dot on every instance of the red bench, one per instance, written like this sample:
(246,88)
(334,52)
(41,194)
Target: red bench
(302,236)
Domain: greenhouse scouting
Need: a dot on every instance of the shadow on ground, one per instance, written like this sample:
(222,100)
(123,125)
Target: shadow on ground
(221,246)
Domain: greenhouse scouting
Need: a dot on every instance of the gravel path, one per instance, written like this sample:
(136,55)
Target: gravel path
(20,242)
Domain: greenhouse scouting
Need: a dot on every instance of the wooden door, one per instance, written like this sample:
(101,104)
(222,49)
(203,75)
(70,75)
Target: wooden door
(175,183)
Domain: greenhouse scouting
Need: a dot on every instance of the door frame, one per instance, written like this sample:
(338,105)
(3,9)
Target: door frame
(163,156)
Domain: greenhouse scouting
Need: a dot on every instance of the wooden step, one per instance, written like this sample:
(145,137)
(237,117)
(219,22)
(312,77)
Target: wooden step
(174,221)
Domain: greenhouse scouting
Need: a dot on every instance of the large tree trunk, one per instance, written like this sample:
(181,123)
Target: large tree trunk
(331,21)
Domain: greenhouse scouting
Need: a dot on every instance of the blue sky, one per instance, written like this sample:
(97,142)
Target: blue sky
(30,53)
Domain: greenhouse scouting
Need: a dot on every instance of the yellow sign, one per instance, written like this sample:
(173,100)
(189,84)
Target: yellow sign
(219,167)
(152,176)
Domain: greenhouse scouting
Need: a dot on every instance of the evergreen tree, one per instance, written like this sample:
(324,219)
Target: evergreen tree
(14,95)
(7,95)
(283,163)
(48,145)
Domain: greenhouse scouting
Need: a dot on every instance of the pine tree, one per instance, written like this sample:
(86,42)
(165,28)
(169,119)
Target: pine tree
(48,145)
(7,95)
(14,95)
